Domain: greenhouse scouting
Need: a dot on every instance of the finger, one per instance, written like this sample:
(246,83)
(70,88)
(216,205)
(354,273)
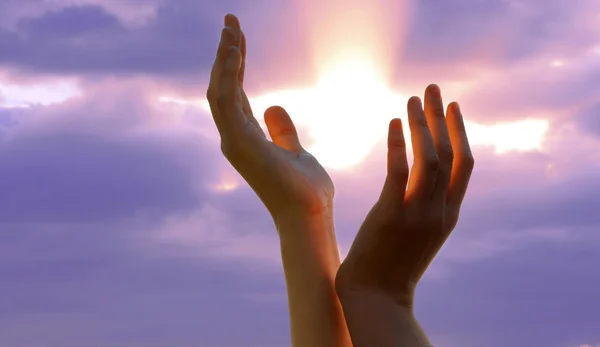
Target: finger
(243,49)
(281,129)
(240,41)
(463,157)
(231,119)
(227,40)
(233,22)
(249,114)
(394,188)
(245,102)
(434,112)
(422,178)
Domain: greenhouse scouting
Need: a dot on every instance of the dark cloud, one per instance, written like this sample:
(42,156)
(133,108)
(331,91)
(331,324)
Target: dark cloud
(70,23)
(88,39)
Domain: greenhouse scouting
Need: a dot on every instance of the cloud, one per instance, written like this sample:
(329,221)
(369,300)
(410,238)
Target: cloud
(94,158)
(129,12)
(179,40)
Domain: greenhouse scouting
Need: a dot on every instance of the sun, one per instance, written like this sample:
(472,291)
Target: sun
(342,118)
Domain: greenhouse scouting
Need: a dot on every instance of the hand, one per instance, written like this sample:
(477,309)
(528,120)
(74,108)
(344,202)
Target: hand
(289,181)
(292,185)
(406,227)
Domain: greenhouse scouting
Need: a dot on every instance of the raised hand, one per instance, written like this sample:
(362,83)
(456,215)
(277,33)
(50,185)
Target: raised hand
(286,178)
(407,225)
(293,186)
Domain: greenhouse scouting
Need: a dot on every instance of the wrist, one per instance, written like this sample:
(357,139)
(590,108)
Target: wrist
(286,216)
(377,319)
(308,240)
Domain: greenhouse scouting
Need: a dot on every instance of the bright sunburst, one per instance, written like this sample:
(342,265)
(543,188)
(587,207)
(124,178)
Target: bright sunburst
(343,115)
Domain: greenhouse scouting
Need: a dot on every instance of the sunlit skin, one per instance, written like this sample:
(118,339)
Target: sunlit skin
(406,227)
(294,188)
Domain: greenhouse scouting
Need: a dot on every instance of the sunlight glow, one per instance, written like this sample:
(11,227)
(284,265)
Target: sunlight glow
(343,115)
(521,135)
(226,186)
(25,96)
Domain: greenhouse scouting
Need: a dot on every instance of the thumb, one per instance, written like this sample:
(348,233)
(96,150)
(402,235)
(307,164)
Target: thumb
(282,129)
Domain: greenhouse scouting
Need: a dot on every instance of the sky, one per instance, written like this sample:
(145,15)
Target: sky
(121,224)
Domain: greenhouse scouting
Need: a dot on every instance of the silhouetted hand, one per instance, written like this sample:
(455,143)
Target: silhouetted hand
(287,179)
(406,227)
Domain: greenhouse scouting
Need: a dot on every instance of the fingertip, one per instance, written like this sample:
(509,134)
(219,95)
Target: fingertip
(414,102)
(231,19)
(274,114)
(274,110)
(454,107)
(434,91)
(282,129)
(228,36)
(242,40)
(454,116)
(396,134)
(395,125)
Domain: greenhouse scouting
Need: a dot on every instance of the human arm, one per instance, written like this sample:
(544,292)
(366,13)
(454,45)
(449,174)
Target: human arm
(293,186)
(407,226)
(310,261)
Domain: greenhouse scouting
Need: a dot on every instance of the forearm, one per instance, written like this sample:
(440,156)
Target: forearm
(310,261)
(376,321)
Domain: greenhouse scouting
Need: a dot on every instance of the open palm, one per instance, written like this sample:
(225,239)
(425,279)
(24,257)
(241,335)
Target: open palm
(280,171)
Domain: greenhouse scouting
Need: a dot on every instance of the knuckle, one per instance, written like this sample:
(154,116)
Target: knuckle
(400,172)
(225,149)
(436,221)
(422,122)
(432,164)
(398,142)
(438,110)
(446,152)
(468,163)
(210,94)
